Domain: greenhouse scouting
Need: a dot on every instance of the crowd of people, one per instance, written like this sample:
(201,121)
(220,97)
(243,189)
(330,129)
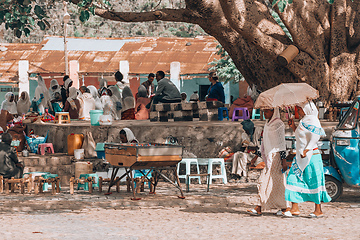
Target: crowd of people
(117,101)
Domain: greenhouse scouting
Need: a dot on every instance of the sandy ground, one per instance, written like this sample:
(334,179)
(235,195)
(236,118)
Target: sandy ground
(219,214)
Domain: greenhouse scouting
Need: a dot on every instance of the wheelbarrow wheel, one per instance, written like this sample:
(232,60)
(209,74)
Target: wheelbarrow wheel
(333,187)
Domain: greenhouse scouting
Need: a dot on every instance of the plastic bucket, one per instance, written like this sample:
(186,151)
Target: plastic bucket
(79,154)
(94,117)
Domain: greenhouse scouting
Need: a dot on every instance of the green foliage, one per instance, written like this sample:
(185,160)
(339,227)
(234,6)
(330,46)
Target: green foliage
(225,67)
(21,15)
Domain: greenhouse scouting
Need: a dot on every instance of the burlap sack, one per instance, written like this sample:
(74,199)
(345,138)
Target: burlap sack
(89,146)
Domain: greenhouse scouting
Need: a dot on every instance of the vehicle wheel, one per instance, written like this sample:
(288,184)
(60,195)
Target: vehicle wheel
(333,187)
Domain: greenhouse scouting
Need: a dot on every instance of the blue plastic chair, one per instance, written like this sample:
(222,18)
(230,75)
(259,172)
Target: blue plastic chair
(138,174)
(221,111)
(46,186)
(85,185)
(256,114)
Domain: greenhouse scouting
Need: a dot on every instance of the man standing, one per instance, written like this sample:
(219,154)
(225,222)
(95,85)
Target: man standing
(9,163)
(148,84)
(119,82)
(166,91)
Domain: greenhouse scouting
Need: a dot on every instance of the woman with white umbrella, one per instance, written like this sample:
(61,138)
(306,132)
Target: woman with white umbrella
(271,187)
(306,180)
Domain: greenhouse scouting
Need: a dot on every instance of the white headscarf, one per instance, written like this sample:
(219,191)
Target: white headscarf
(108,106)
(128,99)
(73,93)
(7,105)
(94,93)
(130,135)
(116,98)
(307,136)
(67,83)
(52,92)
(273,138)
(87,103)
(23,105)
(42,89)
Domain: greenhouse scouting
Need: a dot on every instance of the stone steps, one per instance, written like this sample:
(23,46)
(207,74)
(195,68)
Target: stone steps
(58,163)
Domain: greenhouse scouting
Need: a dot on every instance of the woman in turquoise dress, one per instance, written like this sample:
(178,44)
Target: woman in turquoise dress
(306,180)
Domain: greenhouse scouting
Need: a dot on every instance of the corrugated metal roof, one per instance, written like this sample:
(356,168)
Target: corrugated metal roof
(145,55)
(85,44)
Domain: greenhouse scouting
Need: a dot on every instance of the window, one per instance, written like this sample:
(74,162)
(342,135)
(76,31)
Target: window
(349,120)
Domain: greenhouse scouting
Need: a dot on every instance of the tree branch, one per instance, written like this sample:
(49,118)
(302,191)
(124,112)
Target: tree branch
(249,31)
(308,23)
(172,15)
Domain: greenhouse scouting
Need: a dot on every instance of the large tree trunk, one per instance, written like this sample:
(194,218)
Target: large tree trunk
(327,36)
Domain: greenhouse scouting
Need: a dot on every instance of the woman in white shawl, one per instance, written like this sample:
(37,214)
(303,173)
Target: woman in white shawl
(9,103)
(306,181)
(127,136)
(87,103)
(42,96)
(271,186)
(108,106)
(72,104)
(23,105)
(128,101)
(55,96)
(115,96)
(95,95)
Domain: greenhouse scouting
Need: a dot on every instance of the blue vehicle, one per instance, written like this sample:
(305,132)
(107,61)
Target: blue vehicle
(343,165)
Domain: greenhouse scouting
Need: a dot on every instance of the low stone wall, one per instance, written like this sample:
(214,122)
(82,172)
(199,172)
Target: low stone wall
(204,139)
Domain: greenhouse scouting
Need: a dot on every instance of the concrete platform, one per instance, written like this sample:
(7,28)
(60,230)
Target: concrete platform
(204,139)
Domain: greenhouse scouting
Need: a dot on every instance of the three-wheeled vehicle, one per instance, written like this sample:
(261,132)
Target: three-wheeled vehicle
(343,165)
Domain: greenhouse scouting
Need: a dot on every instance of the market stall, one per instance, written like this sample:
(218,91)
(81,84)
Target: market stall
(140,156)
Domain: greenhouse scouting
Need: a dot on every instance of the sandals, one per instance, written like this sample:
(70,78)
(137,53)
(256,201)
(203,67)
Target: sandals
(288,214)
(312,215)
(253,212)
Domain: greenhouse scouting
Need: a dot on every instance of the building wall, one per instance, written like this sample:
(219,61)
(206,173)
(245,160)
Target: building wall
(8,87)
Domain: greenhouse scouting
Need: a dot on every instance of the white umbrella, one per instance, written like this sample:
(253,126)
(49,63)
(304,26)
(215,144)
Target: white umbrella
(286,94)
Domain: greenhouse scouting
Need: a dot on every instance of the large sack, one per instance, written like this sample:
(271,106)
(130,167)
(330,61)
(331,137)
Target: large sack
(5,117)
(17,133)
(89,146)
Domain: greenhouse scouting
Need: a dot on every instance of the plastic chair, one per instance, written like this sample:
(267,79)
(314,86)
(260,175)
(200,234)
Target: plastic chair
(43,146)
(62,117)
(256,114)
(221,111)
(85,185)
(47,176)
(188,162)
(138,174)
(214,161)
(236,114)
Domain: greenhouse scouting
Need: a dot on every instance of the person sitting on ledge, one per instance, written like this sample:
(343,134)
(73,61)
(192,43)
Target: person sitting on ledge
(216,90)
(72,104)
(127,136)
(166,91)
(9,162)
